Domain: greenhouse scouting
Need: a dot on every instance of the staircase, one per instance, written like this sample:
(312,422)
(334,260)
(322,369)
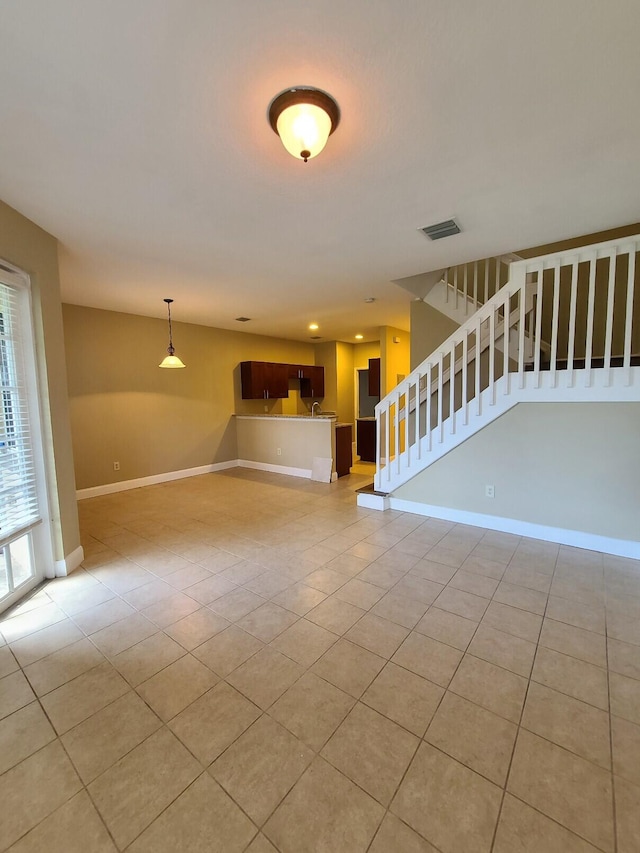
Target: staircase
(564,327)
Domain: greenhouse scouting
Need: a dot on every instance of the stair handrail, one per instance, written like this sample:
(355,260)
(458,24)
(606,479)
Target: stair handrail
(524,273)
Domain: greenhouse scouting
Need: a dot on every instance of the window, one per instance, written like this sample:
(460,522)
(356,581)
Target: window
(22,500)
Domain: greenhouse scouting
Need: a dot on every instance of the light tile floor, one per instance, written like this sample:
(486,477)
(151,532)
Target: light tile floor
(250,662)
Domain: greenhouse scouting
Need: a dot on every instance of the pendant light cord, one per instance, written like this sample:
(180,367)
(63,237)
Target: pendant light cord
(170,350)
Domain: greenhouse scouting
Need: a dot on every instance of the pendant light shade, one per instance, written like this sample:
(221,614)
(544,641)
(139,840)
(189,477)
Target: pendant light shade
(304,118)
(171,360)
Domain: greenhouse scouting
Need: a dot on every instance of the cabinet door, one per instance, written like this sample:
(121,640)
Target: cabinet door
(264,380)
(252,378)
(374,377)
(277,380)
(312,381)
(344,454)
(366,439)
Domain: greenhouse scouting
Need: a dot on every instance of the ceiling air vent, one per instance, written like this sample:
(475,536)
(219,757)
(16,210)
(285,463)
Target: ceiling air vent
(441,229)
(315,338)
(243,319)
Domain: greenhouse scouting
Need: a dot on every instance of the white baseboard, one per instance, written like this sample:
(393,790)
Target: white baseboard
(275,469)
(576,538)
(70,562)
(371,501)
(125,485)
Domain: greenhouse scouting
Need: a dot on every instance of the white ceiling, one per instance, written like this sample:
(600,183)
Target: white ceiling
(136,132)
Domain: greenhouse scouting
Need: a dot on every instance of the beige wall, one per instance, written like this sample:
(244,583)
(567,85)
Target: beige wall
(152,421)
(574,466)
(429,328)
(28,247)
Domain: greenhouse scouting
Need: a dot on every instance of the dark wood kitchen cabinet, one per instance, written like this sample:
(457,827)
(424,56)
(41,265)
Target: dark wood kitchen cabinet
(374,377)
(344,449)
(366,439)
(311,381)
(264,380)
(267,380)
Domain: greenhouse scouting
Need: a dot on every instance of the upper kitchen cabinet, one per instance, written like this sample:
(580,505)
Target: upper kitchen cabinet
(311,381)
(264,380)
(374,377)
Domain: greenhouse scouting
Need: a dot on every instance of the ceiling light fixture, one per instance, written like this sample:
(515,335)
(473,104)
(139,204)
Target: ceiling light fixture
(170,360)
(313,326)
(359,337)
(304,118)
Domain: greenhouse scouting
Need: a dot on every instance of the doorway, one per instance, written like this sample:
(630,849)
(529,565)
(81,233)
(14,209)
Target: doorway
(366,404)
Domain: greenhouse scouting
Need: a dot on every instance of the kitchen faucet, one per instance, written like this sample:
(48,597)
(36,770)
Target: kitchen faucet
(313,408)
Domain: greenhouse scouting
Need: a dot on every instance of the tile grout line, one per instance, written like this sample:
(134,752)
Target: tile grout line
(519,729)
(613,785)
(406,572)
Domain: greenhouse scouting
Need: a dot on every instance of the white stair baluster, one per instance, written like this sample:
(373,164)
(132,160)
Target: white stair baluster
(452,388)
(590,313)
(628,325)
(608,338)
(572,322)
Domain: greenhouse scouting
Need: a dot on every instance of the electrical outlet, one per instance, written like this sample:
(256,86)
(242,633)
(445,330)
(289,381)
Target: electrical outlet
(116,466)
(490,491)
(266,408)
(279,451)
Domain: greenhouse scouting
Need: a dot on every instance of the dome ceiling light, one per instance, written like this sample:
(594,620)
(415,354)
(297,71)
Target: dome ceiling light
(304,118)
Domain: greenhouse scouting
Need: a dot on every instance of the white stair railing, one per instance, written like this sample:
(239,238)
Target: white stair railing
(580,328)
(471,285)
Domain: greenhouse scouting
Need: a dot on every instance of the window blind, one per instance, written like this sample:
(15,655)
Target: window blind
(18,494)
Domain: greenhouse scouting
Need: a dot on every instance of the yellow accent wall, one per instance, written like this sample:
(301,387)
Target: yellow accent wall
(363,352)
(394,357)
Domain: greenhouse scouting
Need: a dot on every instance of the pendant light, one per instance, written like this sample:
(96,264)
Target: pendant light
(170,360)
(304,118)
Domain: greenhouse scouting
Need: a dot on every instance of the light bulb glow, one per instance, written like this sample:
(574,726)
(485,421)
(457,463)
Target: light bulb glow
(171,361)
(304,130)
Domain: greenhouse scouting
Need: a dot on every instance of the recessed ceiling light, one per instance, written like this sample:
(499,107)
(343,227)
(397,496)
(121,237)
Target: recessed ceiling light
(359,337)
(313,326)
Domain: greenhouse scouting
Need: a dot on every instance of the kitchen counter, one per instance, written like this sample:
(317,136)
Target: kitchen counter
(295,417)
(312,418)
(298,445)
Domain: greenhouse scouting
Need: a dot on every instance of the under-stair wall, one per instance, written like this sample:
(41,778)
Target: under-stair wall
(564,472)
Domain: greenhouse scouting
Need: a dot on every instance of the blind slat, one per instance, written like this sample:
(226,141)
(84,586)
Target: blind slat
(18,494)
